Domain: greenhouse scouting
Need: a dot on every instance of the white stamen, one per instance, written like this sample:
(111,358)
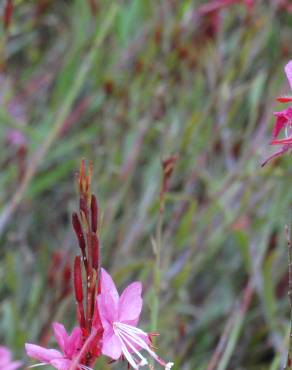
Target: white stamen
(143,359)
(84,367)
(39,364)
(126,353)
(132,328)
(129,336)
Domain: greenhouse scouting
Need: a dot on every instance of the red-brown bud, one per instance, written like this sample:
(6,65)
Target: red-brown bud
(8,12)
(95,251)
(78,231)
(94,213)
(66,273)
(78,279)
(83,206)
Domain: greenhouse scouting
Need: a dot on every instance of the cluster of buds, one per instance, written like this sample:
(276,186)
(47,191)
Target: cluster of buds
(86,228)
(107,321)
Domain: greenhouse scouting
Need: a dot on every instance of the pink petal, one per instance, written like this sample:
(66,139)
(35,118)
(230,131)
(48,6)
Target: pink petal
(12,365)
(288,71)
(5,355)
(283,117)
(108,310)
(108,286)
(42,354)
(74,342)
(62,364)
(111,345)
(108,300)
(130,304)
(280,123)
(60,335)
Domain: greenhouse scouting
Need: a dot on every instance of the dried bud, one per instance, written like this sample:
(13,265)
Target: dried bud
(167,167)
(84,181)
(95,251)
(94,213)
(78,279)
(78,231)
(81,176)
(8,11)
(93,7)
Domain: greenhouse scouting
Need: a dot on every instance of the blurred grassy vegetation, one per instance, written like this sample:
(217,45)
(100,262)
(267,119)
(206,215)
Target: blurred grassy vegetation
(125,87)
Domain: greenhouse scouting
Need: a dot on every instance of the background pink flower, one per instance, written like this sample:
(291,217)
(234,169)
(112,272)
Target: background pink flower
(6,362)
(69,345)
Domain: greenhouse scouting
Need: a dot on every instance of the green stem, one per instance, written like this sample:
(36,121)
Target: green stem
(157,274)
(289,239)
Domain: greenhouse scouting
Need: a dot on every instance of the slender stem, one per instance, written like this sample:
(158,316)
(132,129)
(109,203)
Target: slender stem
(157,272)
(37,157)
(158,251)
(289,239)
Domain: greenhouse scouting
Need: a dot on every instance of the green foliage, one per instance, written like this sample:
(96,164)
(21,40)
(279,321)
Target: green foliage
(125,88)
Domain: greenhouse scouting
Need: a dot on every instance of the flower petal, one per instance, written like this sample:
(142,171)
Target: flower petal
(280,123)
(288,71)
(62,364)
(5,356)
(108,310)
(284,117)
(12,365)
(108,286)
(130,304)
(42,354)
(74,342)
(111,346)
(60,335)
(107,300)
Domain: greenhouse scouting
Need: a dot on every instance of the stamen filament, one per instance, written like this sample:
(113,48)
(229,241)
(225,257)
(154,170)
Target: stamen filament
(39,364)
(129,334)
(132,328)
(143,359)
(125,351)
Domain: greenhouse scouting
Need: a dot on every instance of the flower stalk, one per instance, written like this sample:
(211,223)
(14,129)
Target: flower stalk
(289,241)
(107,321)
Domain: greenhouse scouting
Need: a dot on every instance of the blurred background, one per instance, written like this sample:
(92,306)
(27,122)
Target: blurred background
(127,84)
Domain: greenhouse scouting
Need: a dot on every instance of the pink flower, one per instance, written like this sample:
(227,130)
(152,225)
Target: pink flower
(283,122)
(69,345)
(288,72)
(119,317)
(6,362)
